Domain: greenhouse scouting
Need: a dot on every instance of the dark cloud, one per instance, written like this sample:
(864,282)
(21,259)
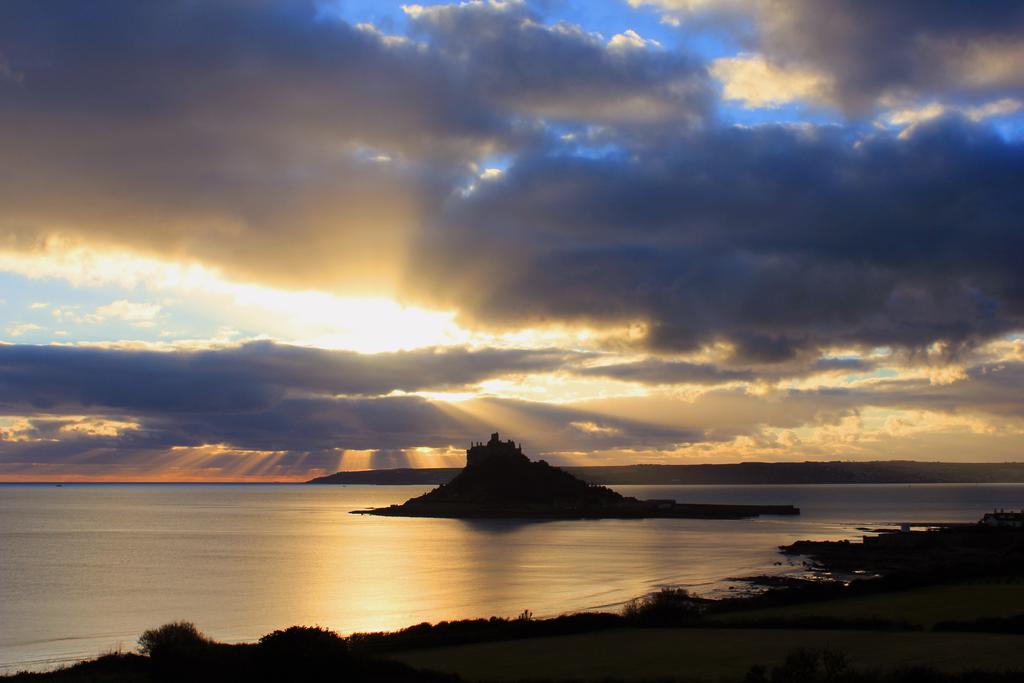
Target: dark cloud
(241,134)
(296,432)
(655,371)
(213,74)
(773,238)
(988,392)
(563,73)
(247,378)
(276,142)
(267,397)
(877,54)
(901,49)
(319,424)
(250,136)
(990,388)
(319,427)
(285,146)
(658,371)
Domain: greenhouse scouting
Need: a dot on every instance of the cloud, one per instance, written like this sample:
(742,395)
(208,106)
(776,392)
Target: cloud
(916,115)
(77,405)
(23,328)
(248,153)
(136,313)
(238,379)
(263,154)
(875,54)
(282,146)
(274,410)
(835,422)
(300,435)
(658,371)
(631,40)
(520,176)
(758,83)
(774,239)
(562,72)
(988,388)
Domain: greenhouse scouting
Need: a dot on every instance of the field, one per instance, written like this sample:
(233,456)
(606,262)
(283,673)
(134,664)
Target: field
(713,653)
(922,606)
(709,654)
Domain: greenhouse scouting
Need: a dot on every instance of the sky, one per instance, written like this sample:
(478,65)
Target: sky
(263,240)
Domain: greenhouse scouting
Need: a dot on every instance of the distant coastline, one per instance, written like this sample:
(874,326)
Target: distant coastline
(727,474)
(736,474)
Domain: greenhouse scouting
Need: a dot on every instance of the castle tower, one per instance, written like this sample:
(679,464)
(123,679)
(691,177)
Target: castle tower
(495,449)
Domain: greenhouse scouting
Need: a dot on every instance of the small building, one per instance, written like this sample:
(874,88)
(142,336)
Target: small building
(1004,518)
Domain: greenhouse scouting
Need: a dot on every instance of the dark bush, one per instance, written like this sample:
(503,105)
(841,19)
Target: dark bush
(177,649)
(667,607)
(448,633)
(172,641)
(807,666)
(305,642)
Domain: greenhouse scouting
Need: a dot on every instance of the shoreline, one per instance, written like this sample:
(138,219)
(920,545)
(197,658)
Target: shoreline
(759,611)
(666,617)
(786,579)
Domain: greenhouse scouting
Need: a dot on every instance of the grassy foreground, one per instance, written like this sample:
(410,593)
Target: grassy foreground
(710,654)
(889,637)
(923,607)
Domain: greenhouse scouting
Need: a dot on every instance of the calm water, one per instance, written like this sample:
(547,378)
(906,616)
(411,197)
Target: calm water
(85,569)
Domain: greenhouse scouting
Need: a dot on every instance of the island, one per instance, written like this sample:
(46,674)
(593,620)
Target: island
(499,481)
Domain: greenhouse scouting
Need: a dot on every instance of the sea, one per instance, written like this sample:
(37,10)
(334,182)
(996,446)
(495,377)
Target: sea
(84,569)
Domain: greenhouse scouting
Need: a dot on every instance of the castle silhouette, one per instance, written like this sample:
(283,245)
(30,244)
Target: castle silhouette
(495,449)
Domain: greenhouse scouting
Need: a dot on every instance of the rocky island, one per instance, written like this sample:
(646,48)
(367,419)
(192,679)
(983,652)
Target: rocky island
(500,482)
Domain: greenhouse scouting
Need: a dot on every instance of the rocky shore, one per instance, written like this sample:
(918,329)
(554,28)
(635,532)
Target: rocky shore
(959,548)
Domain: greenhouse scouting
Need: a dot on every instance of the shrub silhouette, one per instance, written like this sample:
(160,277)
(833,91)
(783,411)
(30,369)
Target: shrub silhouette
(463,631)
(313,654)
(180,652)
(173,641)
(305,642)
(667,606)
(808,666)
